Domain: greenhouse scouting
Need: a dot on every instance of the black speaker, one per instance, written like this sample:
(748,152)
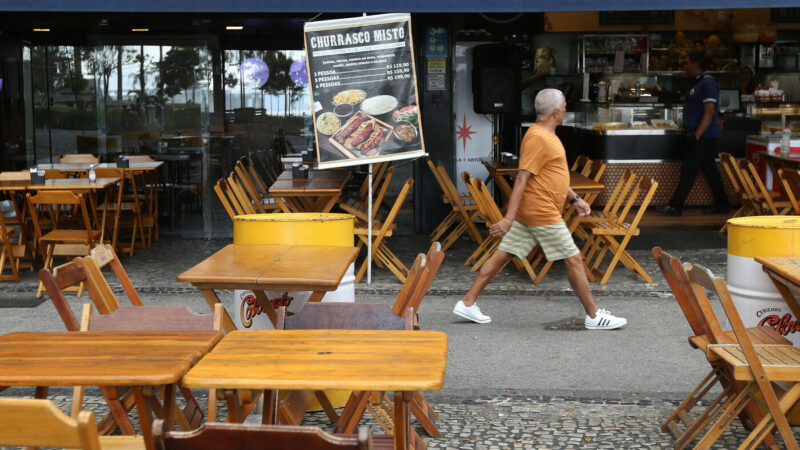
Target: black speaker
(496,78)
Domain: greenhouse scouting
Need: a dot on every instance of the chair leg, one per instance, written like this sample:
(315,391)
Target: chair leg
(353,410)
(730,410)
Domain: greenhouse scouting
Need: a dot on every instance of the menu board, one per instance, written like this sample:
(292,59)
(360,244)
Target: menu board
(363,86)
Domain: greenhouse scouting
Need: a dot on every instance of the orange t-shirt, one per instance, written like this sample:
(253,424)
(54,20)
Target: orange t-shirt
(543,155)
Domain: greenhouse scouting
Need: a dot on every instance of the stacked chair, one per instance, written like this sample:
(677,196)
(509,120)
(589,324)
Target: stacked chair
(743,362)
(461,218)
(790,180)
(359,207)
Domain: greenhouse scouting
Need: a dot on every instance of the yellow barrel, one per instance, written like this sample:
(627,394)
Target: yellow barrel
(294,229)
(297,229)
(756,298)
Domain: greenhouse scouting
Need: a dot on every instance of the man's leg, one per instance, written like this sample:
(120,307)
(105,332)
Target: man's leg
(580,284)
(709,168)
(689,168)
(488,271)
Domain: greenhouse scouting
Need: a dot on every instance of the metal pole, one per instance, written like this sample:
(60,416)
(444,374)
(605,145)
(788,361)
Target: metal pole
(369,228)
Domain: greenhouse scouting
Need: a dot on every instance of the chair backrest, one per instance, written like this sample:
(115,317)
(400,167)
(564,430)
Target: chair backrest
(248,187)
(247,164)
(387,179)
(104,255)
(586,169)
(55,282)
(486,204)
(344,316)
(22,175)
(53,201)
(729,166)
(412,285)
(150,318)
(646,185)
(754,197)
(619,194)
(229,199)
(244,201)
(596,170)
(449,188)
(580,163)
(790,179)
(39,423)
(696,295)
(433,260)
(230,436)
(378,171)
(109,172)
(760,189)
(78,158)
(687,304)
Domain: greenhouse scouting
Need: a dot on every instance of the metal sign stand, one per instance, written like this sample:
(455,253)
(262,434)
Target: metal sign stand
(369,228)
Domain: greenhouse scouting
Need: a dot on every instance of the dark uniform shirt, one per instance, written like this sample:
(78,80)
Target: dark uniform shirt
(704,90)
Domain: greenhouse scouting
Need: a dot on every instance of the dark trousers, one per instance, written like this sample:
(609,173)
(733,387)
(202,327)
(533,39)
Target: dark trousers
(699,155)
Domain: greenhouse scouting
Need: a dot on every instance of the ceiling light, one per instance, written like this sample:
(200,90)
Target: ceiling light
(42,29)
(234,27)
(140,29)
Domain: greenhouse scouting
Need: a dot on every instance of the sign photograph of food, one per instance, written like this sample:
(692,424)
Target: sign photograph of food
(363,88)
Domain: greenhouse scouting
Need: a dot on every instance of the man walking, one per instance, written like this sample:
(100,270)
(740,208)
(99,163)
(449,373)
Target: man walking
(700,118)
(533,215)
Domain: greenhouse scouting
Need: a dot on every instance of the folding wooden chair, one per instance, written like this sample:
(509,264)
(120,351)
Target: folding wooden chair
(756,365)
(381,230)
(613,205)
(78,158)
(730,167)
(240,194)
(464,211)
(260,197)
(491,212)
(706,329)
(359,208)
(790,180)
(603,235)
(151,318)
(11,253)
(500,181)
(39,423)
(770,204)
(216,436)
(124,209)
(228,199)
(461,211)
(63,207)
(378,172)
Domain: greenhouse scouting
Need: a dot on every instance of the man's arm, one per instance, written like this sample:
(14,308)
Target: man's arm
(581,206)
(705,121)
(501,228)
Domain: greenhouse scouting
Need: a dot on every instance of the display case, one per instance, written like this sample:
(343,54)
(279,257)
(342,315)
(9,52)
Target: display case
(628,119)
(613,53)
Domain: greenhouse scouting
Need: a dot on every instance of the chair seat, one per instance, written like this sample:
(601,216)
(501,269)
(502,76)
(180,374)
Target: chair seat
(610,229)
(780,362)
(77,236)
(122,442)
(361,228)
(759,335)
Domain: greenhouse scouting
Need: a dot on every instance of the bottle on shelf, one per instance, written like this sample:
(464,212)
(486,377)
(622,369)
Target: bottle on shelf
(601,92)
(786,141)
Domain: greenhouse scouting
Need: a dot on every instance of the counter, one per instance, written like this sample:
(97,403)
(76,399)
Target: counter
(768,143)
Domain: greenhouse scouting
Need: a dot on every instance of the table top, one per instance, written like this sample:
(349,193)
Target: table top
(319,182)
(281,267)
(58,184)
(793,159)
(85,167)
(389,360)
(101,358)
(786,266)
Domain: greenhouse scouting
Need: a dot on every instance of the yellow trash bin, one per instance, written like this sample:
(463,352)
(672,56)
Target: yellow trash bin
(293,229)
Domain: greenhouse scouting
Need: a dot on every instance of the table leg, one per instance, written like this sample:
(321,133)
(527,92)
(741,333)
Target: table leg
(145,418)
(785,292)
(169,404)
(328,205)
(401,419)
(212,300)
(316,296)
(269,413)
(41,392)
(266,306)
(117,411)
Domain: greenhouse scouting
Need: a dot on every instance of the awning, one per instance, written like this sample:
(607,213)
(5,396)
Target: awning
(375,6)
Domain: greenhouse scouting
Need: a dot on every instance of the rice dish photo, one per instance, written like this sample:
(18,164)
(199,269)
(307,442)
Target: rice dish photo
(380,104)
(351,96)
(328,123)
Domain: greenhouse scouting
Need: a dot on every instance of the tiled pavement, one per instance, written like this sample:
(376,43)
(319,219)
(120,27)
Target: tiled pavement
(498,418)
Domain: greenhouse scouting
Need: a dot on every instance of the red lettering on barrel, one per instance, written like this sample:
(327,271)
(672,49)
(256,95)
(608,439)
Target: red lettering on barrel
(782,324)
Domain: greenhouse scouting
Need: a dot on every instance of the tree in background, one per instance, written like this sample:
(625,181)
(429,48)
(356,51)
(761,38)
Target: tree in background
(178,71)
(280,82)
(104,60)
(75,82)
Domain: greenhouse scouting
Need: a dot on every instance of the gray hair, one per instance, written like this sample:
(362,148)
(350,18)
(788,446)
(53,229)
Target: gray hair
(547,101)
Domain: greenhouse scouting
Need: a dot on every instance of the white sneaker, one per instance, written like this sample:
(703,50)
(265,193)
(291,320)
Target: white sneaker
(603,320)
(472,313)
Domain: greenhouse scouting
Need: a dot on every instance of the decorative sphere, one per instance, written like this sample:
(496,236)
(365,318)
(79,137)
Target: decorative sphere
(299,73)
(255,72)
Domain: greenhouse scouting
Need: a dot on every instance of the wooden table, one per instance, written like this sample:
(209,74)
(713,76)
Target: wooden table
(136,359)
(784,271)
(133,166)
(261,268)
(317,193)
(362,360)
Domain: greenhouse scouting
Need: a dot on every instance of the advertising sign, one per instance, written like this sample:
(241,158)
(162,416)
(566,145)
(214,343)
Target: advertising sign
(363,81)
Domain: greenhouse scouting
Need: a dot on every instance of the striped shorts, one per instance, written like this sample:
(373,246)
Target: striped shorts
(555,240)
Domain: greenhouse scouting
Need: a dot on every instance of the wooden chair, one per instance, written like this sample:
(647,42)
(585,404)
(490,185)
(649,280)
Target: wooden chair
(756,365)
(603,234)
(790,180)
(229,199)
(769,203)
(500,181)
(11,253)
(463,208)
(378,172)
(347,316)
(62,240)
(580,163)
(124,208)
(730,167)
(254,187)
(229,436)
(463,214)
(706,329)
(78,158)
(238,191)
(381,230)
(360,208)
(39,423)
(491,212)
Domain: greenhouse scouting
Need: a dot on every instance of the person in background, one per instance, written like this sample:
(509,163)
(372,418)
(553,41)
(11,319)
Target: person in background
(701,122)
(533,216)
(747,80)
